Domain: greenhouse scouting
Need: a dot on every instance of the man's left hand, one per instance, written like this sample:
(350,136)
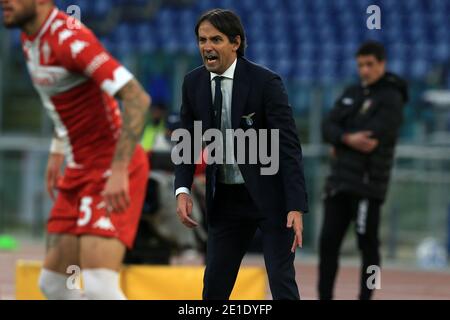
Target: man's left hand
(295,221)
(116,192)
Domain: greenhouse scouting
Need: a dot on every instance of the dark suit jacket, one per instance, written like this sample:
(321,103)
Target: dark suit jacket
(260,91)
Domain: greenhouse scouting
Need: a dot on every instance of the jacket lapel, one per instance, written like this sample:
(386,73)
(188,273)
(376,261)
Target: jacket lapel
(205,99)
(241,87)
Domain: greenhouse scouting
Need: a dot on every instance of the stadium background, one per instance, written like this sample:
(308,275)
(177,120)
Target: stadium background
(311,44)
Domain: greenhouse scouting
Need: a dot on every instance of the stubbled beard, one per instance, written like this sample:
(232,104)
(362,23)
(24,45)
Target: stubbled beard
(20,20)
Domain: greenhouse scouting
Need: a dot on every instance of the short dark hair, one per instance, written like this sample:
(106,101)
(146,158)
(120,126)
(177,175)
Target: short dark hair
(373,48)
(227,22)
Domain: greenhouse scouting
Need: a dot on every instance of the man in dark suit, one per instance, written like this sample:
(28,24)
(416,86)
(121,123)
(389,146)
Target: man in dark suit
(230,92)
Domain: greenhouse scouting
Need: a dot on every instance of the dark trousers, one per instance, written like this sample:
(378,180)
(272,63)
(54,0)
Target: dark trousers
(340,210)
(231,227)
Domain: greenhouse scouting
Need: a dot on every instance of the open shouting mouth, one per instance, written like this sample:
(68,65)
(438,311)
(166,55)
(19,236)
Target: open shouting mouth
(211,58)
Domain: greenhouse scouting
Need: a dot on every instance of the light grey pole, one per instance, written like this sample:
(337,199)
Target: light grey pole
(315,112)
(2,57)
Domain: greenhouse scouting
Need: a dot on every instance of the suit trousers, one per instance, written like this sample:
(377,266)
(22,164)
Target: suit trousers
(232,224)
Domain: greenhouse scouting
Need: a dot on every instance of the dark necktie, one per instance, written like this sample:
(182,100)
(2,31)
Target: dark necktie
(218,103)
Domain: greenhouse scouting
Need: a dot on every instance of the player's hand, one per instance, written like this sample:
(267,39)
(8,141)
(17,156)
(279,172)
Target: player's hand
(116,193)
(295,221)
(184,210)
(360,141)
(53,172)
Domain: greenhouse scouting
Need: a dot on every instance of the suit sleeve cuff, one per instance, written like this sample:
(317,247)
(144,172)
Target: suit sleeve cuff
(182,190)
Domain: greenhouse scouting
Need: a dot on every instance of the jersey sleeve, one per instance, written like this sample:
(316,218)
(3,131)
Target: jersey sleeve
(80,51)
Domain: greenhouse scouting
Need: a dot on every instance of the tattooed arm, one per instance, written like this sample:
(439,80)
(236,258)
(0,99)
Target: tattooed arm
(135,104)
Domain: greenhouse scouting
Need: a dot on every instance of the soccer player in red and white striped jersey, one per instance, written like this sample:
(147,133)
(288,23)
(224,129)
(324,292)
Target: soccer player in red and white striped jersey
(100,195)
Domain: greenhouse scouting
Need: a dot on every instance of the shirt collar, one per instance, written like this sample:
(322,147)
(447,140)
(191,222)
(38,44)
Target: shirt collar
(229,73)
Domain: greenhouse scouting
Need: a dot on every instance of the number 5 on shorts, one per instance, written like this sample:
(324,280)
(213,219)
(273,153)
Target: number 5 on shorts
(85,207)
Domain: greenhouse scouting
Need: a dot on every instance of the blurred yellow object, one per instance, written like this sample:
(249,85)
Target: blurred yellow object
(153,282)
(27,275)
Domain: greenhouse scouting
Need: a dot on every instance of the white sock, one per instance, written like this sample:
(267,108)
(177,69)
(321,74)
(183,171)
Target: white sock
(54,286)
(102,284)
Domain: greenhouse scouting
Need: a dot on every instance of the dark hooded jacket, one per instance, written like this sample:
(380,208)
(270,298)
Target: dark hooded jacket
(377,108)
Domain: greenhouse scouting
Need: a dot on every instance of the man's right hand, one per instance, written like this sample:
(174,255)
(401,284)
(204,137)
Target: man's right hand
(360,141)
(53,173)
(184,210)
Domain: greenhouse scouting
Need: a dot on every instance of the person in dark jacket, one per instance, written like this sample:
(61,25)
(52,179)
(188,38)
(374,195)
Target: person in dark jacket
(362,128)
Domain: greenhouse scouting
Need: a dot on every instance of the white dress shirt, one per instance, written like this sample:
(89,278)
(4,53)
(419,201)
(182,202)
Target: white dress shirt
(228,173)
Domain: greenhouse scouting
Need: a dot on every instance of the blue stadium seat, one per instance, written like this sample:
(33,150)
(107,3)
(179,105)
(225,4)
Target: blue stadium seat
(319,5)
(418,68)
(327,71)
(248,5)
(347,68)
(417,33)
(303,33)
(398,66)
(306,50)
(124,32)
(202,5)
(295,6)
(187,19)
(283,67)
(342,5)
(397,51)
(413,6)
(272,5)
(441,52)
(146,38)
(260,49)
(292,35)
(14,37)
(166,18)
(108,44)
(303,70)
(361,6)
(437,5)
(392,35)
(101,7)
